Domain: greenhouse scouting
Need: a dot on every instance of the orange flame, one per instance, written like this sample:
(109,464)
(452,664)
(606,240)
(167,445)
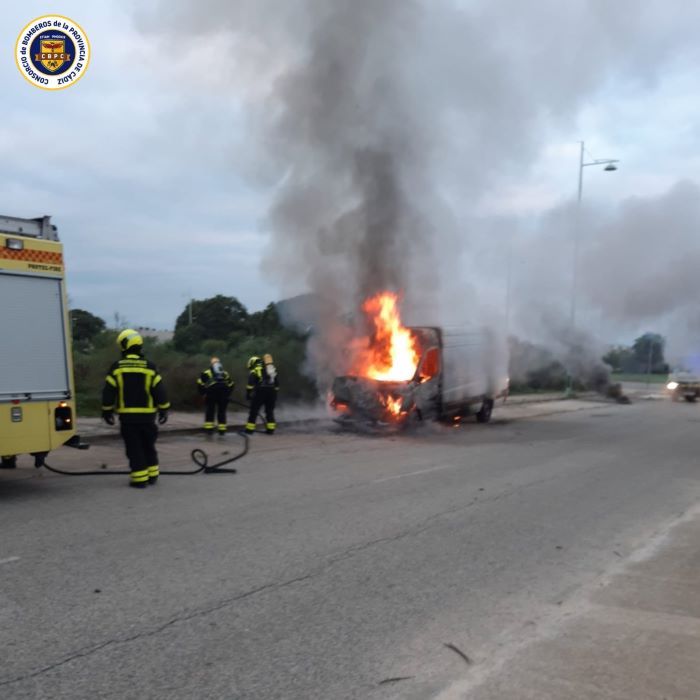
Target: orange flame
(393,405)
(392,355)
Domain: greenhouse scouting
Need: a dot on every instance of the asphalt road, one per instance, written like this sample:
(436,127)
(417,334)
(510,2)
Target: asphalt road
(332,566)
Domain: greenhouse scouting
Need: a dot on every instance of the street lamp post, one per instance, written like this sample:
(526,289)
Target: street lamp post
(610,166)
(509,274)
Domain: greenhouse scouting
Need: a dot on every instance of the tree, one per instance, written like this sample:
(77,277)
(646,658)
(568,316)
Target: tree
(216,318)
(648,352)
(188,338)
(621,359)
(85,326)
(214,348)
(265,322)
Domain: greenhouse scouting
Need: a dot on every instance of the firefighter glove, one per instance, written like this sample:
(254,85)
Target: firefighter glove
(108,417)
(162,417)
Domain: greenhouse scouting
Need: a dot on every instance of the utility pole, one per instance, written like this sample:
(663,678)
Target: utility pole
(508,284)
(577,225)
(190,307)
(610,166)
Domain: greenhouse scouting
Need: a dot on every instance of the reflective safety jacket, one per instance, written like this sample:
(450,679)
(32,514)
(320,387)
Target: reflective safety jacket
(263,377)
(134,389)
(215,382)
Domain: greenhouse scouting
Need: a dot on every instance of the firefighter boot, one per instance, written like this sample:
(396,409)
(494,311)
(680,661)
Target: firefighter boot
(139,478)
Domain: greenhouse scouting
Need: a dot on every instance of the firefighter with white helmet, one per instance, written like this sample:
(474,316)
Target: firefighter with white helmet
(134,390)
(216,385)
(262,388)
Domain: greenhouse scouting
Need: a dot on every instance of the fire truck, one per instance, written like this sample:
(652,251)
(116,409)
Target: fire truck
(37,395)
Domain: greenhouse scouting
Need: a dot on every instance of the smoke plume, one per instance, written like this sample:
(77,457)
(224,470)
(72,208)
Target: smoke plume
(382,124)
(637,272)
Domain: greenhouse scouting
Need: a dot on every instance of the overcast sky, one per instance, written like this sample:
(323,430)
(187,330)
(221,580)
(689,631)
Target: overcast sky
(147,167)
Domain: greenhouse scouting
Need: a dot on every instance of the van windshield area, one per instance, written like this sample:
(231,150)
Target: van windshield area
(430,367)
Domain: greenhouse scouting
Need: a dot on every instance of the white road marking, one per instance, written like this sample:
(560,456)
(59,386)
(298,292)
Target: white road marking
(422,471)
(553,617)
(9,560)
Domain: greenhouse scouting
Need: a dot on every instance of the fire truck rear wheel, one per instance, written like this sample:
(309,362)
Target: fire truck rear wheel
(483,415)
(8,462)
(690,398)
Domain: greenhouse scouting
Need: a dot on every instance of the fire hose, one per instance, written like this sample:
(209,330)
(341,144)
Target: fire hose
(198,456)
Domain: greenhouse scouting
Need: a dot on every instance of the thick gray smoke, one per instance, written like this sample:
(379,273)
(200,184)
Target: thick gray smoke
(349,215)
(642,267)
(353,150)
(637,272)
(382,123)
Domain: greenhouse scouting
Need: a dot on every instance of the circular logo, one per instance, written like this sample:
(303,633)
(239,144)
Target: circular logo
(52,52)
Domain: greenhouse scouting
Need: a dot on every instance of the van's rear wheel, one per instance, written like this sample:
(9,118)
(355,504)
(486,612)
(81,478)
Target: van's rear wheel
(690,398)
(8,462)
(484,413)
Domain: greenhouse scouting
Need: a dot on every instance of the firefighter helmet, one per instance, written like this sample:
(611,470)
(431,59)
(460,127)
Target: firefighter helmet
(253,361)
(128,339)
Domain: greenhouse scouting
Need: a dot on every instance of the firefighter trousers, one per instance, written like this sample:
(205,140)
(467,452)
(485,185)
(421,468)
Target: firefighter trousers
(140,443)
(215,404)
(267,398)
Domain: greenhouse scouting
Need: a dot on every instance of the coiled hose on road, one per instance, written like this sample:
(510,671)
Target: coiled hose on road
(198,456)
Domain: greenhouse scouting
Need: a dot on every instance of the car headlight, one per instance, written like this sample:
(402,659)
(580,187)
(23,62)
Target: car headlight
(671,386)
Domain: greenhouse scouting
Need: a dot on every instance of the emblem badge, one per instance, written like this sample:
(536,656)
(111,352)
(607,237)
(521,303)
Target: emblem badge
(52,52)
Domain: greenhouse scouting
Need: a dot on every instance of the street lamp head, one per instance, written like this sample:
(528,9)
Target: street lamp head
(610,167)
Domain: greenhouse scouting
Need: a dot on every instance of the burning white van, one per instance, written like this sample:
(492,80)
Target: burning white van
(419,372)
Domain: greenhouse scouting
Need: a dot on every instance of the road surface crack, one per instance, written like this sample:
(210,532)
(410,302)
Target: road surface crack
(330,561)
(89,651)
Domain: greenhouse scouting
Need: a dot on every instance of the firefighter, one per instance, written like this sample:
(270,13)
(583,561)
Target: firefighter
(263,385)
(134,389)
(216,385)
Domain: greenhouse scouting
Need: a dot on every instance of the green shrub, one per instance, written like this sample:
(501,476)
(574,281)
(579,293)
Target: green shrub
(180,370)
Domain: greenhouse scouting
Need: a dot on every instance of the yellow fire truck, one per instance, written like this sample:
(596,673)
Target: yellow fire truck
(37,395)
